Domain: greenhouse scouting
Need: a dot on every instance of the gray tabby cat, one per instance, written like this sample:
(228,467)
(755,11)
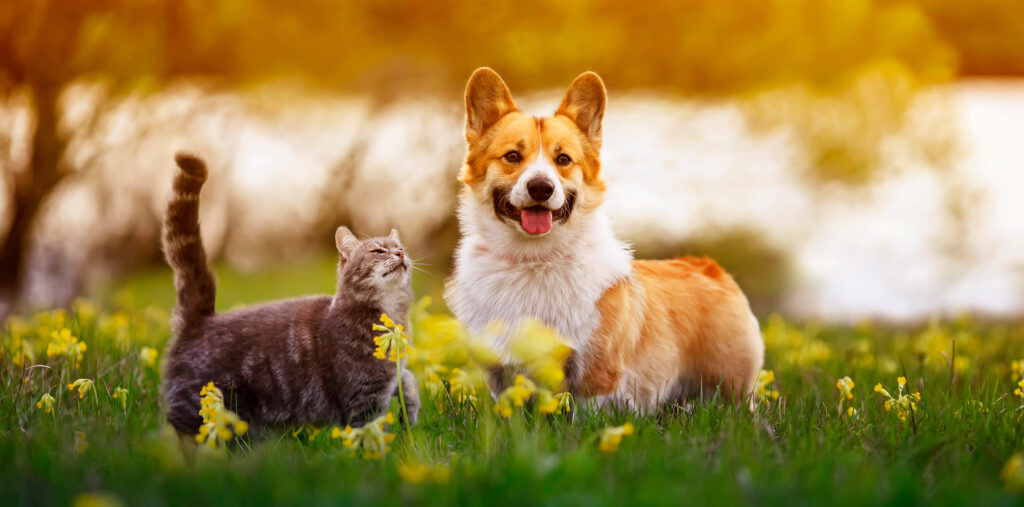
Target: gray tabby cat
(293,362)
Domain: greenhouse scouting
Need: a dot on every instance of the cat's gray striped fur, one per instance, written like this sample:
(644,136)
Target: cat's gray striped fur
(293,362)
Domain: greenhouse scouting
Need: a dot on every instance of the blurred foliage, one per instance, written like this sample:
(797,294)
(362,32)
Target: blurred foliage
(693,46)
(987,34)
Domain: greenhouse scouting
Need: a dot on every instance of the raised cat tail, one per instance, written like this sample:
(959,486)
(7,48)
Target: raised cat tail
(183,246)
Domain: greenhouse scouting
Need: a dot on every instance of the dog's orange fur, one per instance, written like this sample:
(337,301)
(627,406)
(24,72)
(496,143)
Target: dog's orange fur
(674,316)
(669,328)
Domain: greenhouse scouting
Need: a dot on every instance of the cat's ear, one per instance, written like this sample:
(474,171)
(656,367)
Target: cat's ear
(584,105)
(487,100)
(394,236)
(345,241)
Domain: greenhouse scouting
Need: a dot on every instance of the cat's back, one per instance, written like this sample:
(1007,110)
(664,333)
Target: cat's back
(267,327)
(274,316)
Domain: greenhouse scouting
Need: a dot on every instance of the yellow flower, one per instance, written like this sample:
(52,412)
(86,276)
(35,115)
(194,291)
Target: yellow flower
(611,437)
(548,403)
(96,500)
(394,343)
(64,344)
(845,386)
(1017,369)
(81,444)
(220,425)
(461,387)
(83,385)
(541,351)
(148,356)
(372,438)
(763,392)
(121,394)
(1013,473)
(904,403)
(416,473)
(46,403)
(514,396)
(850,411)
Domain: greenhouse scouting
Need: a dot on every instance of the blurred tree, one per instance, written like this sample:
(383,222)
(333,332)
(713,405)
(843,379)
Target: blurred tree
(44,45)
(388,47)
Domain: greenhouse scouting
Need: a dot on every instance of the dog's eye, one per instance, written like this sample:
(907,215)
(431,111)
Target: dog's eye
(563,159)
(514,157)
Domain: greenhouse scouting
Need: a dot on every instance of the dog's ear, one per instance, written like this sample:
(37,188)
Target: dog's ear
(584,105)
(345,241)
(487,100)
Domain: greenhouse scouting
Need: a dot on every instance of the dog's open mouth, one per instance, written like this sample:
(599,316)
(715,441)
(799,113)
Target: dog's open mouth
(535,219)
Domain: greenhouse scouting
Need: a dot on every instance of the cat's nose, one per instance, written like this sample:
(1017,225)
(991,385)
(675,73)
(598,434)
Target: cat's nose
(540,188)
(400,255)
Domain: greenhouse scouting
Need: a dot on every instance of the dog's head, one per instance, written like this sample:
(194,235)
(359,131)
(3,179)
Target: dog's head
(530,178)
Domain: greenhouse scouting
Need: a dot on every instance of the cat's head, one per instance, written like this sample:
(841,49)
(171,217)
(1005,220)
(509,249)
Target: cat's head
(372,264)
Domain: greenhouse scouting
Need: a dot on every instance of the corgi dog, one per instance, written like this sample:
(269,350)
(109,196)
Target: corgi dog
(536,244)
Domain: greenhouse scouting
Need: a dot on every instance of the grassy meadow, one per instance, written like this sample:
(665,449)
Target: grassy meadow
(948,436)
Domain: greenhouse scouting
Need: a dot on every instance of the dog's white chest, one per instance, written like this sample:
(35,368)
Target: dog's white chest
(561,292)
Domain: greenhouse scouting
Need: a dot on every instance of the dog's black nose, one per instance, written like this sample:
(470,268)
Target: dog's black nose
(540,189)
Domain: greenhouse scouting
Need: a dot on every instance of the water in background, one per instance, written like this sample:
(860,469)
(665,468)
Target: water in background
(917,240)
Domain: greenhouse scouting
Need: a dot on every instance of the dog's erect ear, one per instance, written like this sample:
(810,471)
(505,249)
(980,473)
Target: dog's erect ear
(487,100)
(345,241)
(394,236)
(584,105)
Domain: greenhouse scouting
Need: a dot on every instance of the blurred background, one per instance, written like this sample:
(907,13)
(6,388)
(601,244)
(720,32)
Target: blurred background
(846,159)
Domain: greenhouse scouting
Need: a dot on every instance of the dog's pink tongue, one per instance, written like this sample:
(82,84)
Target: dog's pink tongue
(536,221)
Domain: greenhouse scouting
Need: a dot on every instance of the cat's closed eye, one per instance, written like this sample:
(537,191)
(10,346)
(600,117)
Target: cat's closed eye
(377,251)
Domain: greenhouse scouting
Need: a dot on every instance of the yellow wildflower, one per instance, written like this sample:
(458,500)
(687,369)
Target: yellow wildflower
(81,444)
(64,344)
(121,394)
(96,500)
(542,351)
(850,411)
(1013,473)
(83,385)
(418,473)
(394,343)
(220,425)
(762,390)
(18,349)
(611,437)
(904,403)
(308,431)
(548,403)
(148,356)
(514,396)
(1017,369)
(372,438)
(46,403)
(845,386)
(461,387)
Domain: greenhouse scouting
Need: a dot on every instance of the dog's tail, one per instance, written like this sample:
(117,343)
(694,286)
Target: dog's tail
(183,246)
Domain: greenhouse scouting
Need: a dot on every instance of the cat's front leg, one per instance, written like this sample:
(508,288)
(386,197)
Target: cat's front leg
(411,392)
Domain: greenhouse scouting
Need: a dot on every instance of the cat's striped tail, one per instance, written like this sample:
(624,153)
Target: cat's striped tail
(183,246)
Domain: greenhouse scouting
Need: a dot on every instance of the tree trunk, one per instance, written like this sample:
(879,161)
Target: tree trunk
(31,187)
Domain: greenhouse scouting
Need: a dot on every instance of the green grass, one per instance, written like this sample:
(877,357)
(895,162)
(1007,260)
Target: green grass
(796,450)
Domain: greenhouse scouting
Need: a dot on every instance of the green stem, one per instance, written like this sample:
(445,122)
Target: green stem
(401,394)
